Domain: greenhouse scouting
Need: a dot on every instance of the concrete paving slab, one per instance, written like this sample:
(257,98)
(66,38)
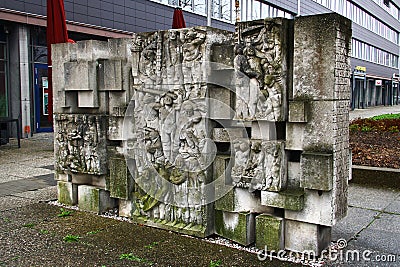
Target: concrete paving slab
(371,198)
(394,207)
(383,234)
(21,170)
(38,162)
(357,219)
(5,177)
(43,194)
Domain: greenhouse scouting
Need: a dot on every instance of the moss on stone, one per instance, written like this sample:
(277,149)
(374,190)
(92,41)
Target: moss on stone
(269,232)
(239,232)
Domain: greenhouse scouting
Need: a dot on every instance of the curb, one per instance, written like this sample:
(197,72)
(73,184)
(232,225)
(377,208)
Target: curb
(376,176)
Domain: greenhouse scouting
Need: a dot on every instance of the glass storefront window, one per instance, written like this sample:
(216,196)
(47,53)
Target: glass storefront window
(3,74)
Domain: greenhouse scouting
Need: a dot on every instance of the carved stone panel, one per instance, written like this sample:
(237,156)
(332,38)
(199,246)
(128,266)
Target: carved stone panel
(261,70)
(80,145)
(259,165)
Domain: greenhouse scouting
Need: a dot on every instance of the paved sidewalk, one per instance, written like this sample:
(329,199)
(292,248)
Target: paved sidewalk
(373,111)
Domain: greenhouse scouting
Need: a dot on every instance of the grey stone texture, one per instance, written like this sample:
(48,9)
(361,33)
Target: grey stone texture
(203,131)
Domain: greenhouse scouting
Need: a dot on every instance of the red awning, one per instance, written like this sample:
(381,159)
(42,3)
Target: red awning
(56,33)
(178,21)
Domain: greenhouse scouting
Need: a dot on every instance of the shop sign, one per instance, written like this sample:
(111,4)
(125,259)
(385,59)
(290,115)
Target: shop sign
(361,69)
(378,82)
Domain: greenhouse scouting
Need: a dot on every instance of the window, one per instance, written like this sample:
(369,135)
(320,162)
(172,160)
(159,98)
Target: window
(366,20)
(3,73)
(373,54)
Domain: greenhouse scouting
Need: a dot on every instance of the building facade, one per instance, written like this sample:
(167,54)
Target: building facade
(23,52)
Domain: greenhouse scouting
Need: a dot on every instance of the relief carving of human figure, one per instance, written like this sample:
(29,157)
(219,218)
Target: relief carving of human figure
(191,67)
(90,140)
(147,64)
(256,82)
(173,58)
(242,153)
(168,123)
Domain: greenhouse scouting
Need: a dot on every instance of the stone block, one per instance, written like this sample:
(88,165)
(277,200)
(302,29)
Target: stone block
(316,41)
(76,75)
(291,200)
(238,227)
(92,50)
(241,200)
(64,177)
(226,135)
(115,128)
(263,130)
(126,208)
(314,238)
(321,131)
(270,232)
(316,171)
(67,193)
(93,199)
(220,103)
(121,182)
(319,208)
(294,174)
(89,179)
(88,99)
(295,136)
(298,111)
(109,74)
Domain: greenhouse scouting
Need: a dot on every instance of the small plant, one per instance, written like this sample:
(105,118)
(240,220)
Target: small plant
(366,129)
(152,245)
(6,220)
(29,225)
(393,129)
(215,263)
(94,232)
(71,238)
(43,232)
(64,213)
(132,257)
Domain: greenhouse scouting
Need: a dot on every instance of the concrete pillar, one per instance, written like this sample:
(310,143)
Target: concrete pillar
(26,110)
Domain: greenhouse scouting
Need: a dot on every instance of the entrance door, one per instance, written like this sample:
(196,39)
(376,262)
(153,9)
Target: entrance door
(41,99)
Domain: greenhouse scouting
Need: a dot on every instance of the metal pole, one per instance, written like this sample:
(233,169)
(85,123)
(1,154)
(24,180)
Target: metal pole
(298,7)
(209,6)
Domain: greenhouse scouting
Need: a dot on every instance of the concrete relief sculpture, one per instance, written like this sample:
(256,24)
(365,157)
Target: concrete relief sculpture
(135,133)
(259,60)
(80,145)
(170,127)
(259,165)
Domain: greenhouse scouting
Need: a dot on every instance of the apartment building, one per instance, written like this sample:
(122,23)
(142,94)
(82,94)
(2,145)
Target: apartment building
(23,52)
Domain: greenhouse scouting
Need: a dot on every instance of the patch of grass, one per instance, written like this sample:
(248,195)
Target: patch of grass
(215,263)
(64,213)
(132,257)
(152,245)
(29,225)
(386,117)
(94,232)
(43,232)
(6,219)
(72,238)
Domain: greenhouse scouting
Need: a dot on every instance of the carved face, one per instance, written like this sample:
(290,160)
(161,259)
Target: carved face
(172,35)
(187,109)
